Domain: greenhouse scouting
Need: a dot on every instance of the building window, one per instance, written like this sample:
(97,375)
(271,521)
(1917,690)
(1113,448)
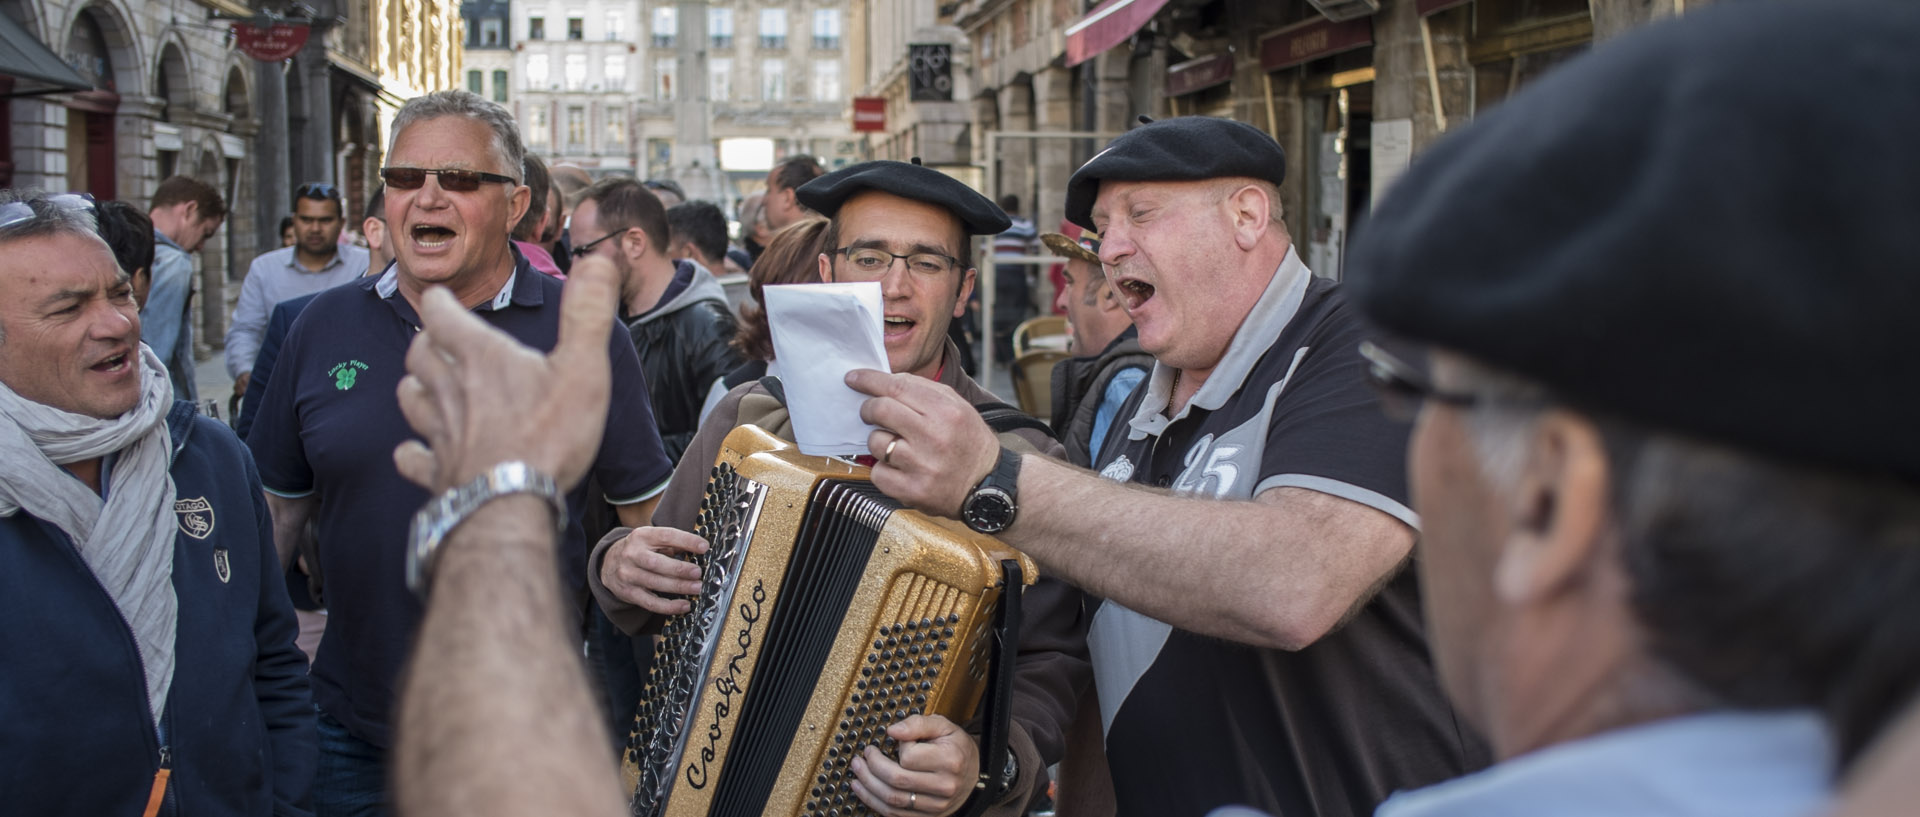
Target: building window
(826,29)
(616,136)
(664,70)
(773,80)
(615,72)
(616,25)
(773,28)
(826,80)
(576,72)
(720,27)
(720,79)
(476,82)
(500,85)
(576,129)
(536,28)
(576,25)
(536,72)
(666,26)
(659,156)
(537,127)
(490,29)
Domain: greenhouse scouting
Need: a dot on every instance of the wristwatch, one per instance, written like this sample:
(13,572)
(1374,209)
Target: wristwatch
(442,514)
(990,507)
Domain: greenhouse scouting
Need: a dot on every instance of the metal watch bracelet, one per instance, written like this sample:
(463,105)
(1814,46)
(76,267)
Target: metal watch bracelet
(443,513)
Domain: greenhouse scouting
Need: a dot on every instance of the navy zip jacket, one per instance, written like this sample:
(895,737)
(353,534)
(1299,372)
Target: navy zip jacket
(76,733)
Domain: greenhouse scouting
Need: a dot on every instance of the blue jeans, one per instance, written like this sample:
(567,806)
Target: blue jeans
(351,780)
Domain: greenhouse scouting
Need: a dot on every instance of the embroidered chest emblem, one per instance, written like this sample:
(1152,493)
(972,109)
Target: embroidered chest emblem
(344,374)
(196,516)
(222,567)
(1120,470)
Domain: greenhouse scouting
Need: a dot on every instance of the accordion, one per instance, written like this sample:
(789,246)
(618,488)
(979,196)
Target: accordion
(827,613)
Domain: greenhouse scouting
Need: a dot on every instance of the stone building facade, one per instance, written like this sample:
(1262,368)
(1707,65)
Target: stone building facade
(666,89)
(1351,99)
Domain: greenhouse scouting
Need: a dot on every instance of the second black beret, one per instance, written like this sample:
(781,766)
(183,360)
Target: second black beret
(1186,148)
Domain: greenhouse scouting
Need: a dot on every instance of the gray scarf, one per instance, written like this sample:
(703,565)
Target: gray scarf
(126,540)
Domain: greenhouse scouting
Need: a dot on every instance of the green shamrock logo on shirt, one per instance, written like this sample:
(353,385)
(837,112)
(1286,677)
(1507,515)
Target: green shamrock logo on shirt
(345,374)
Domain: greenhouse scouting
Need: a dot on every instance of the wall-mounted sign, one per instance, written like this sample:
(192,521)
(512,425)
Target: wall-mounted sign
(869,113)
(1199,74)
(930,72)
(270,43)
(1312,40)
(1427,7)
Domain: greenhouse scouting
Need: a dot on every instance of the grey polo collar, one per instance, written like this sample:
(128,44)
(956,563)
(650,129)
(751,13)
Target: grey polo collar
(1270,315)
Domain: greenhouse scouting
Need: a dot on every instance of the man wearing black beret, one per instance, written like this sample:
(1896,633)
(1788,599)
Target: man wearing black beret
(906,227)
(1665,454)
(1266,507)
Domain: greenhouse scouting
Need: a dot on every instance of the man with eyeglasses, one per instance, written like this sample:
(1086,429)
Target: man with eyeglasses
(677,316)
(185,213)
(149,661)
(331,418)
(316,261)
(1258,639)
(909,228)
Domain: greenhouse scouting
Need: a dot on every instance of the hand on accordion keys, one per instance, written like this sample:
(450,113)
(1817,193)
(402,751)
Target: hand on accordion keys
(939,763)
(645,567)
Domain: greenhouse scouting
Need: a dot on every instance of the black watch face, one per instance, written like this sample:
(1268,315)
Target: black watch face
(989,510)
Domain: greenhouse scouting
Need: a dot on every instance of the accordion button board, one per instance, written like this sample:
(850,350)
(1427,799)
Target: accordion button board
(827,613)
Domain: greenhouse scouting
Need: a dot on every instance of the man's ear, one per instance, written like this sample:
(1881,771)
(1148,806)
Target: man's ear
(376,232)
(634,244)
(1249,211)
(826,269)
(1559,511)
(966,291)
(1109,298)
(517,204)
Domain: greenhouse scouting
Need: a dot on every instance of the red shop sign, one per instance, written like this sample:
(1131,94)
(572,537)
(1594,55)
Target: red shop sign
(271,43)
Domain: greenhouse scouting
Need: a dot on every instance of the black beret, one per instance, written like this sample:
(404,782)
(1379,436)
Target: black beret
(1707,227)
(825,194)
(1182,149)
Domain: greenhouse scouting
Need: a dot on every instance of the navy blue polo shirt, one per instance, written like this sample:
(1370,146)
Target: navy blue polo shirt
(327,428)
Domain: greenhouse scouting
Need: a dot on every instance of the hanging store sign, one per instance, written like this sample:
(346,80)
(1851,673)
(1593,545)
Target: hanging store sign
(1312,40)
(270,43)
(869,114)
(930,72)
(1199,75)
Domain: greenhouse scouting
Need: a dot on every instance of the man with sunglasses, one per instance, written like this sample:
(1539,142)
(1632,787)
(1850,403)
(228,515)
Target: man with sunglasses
(1266,504)
(316,261)
(331,418)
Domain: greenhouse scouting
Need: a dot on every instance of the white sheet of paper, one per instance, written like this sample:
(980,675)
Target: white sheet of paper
(820,333)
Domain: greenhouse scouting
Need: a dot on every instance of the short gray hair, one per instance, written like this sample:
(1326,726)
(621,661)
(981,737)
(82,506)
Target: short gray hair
(467,104)
(31,213)
(1768,582)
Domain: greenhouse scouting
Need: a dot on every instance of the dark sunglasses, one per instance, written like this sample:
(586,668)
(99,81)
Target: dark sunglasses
(582,250)
(452,181)
(19,212)
(317,190)
(1402,387)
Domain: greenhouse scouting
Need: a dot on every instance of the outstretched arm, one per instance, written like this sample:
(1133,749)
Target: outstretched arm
(495,713)
(1279,571)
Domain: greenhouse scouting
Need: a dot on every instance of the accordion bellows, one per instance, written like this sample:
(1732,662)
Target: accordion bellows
(827,614)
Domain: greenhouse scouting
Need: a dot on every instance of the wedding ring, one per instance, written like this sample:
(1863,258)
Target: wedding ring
(910,795)
(886,458)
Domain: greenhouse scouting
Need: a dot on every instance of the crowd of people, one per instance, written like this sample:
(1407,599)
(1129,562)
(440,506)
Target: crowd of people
(1582,493)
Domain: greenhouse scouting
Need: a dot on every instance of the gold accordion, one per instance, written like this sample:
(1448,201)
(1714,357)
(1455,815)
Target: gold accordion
(828,612)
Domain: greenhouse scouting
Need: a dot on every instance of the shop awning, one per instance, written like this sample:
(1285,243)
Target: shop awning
(35,68)
(1107,25)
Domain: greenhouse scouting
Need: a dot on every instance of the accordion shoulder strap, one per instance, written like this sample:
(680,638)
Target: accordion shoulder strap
(996,706)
